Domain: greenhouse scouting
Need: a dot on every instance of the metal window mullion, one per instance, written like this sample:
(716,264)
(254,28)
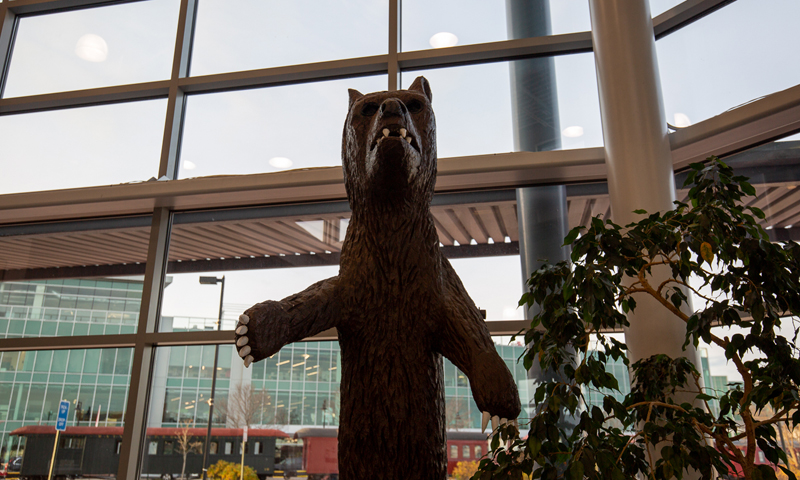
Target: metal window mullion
(499,51)
(33,7)
(755,123)
(394,43)
(8,22)
(144,352)
(176,102)
(685,14)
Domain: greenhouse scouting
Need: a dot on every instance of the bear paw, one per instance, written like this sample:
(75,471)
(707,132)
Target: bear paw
(242,340)
(257,325)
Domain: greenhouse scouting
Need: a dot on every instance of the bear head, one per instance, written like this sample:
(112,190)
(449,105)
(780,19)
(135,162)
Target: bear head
(389,148)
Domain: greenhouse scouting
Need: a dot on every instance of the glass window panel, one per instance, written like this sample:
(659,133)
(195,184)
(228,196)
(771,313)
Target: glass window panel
(46,255)
(268,129)
(473,106)
(84,147)
(75,361)
(95,47)
(107,360)
(51,401)
(193,361)
(709,67)
(494,284)
(43,361)
(444,23)
(29,403)
(237,401)
(236,35)
(60,360)
(33,409)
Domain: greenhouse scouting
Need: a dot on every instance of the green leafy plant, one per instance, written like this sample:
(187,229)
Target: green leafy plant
(751,288)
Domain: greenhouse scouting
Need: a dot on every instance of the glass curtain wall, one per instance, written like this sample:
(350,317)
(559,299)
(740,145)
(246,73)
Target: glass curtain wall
(137,160)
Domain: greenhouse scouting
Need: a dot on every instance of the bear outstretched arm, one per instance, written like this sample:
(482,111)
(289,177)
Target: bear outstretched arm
(266,327)
(465,341)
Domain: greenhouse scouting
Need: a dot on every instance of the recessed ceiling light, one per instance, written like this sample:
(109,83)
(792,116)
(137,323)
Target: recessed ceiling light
(573,132)
(443,39)
(189,165)
(681,120)
(92,48)
(280,162)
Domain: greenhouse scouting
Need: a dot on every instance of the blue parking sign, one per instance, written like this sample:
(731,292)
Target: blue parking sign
(63,411)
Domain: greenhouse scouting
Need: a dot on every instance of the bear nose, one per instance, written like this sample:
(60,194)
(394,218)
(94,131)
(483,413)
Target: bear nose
(393,107)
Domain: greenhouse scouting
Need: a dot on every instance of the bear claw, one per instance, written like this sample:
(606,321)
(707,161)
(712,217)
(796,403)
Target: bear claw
(244,351)
(244,319)
(248,360)
(242,341)
(485,421)
(241,330)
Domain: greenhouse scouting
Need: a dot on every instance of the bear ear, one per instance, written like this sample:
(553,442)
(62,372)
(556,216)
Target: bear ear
(421,84)
(354,95)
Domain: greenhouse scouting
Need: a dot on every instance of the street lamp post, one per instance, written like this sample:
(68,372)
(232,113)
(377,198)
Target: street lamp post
(212,281)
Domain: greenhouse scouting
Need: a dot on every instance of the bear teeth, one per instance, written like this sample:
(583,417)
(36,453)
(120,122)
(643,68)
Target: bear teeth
(386,133)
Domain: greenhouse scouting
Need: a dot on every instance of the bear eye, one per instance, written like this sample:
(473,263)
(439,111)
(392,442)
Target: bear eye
(414,106)
(369,109)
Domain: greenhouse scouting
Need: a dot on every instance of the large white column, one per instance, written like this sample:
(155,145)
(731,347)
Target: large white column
(637,149)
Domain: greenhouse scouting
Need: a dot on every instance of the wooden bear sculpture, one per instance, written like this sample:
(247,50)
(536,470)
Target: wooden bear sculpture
(397,304)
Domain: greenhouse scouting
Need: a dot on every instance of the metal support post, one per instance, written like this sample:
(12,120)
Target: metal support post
(638,156)
(542,211)
(214,281)
(53,457)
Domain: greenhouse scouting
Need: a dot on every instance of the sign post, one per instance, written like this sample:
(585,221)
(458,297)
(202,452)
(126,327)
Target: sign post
(61,425)
(244,443)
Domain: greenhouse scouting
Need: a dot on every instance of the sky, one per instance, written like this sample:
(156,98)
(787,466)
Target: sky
(733,56)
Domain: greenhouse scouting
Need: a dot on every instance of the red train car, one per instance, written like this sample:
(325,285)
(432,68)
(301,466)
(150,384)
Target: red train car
(465,447)
(320,452)
(321,449)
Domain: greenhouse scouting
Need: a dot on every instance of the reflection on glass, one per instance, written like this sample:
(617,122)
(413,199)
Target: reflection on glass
(105,301)
(269,129)
(66,307)
(473,106)
(298,387)
(85,146)
(178,419)
(33,384)
(234,35)
(446,23)
(709,67)
(98,47)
